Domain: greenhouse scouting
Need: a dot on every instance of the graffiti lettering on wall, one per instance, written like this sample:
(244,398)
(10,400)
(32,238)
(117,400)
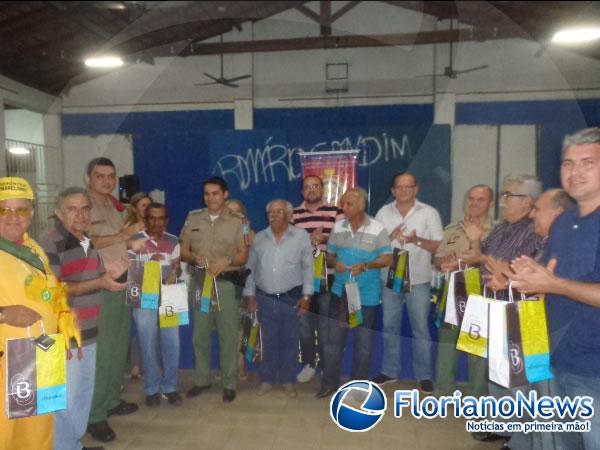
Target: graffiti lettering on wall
(275,161)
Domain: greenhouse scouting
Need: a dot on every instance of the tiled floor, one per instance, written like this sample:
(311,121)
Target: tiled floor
(272,422)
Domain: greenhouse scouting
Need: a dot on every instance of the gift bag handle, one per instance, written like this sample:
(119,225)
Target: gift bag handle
(485,291)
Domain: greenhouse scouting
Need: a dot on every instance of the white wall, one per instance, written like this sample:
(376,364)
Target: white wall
(23,125)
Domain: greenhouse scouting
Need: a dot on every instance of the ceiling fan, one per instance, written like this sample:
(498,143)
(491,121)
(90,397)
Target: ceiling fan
(449,70)
(229,82)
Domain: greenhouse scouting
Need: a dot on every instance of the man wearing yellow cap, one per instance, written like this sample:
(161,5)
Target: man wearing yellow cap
(29,294)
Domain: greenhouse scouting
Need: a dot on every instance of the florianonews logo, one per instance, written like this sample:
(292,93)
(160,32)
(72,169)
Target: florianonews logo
(358,406)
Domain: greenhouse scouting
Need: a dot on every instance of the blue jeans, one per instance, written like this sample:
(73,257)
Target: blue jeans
(418,303)
(335,343)
(70,424)
(278,320)
(572,385)
(311,321)
(155,380)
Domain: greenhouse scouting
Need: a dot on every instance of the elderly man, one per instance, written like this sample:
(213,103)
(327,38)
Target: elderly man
(358,248)
(213,239)
(571,282)
(75,261)
(23,260)
(164,247)
(477,203)
(318,219)
(280,283)
(417,227)
(110,236)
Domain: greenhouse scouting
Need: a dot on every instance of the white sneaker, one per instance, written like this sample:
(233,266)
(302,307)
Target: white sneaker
(306,374)
(264,389)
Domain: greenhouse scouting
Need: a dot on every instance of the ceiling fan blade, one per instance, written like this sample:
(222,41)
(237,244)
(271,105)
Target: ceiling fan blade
(472,69)
(242,77)
(212,77)
(206,84)
(228,84)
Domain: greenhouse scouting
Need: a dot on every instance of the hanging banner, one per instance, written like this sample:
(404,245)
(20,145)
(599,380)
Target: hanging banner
(337,169)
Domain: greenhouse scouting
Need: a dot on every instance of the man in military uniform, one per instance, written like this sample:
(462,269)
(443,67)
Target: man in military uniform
(110,237)
(212,240)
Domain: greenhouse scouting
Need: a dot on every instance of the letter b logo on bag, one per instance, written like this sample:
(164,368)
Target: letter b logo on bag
(516,362)
(474,331)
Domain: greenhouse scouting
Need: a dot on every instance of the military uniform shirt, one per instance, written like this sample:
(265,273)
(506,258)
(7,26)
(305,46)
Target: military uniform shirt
(213,239)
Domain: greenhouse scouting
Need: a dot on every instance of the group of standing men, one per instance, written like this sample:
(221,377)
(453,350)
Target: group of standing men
(543,245)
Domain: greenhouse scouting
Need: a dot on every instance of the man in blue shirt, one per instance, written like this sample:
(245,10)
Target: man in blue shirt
(570,281)
(358,247)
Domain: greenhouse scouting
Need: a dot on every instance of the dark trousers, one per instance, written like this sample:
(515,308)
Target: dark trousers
(313,321)
(335,342)
(278,319)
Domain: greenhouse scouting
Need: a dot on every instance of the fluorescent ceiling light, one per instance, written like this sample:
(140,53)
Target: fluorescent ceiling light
(105,62)
(19,151)
(576,35)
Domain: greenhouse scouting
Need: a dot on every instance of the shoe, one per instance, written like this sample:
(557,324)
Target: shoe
(290,390)
(264,388)
(195,391)
(306,374)
(172,397)
(426,386)
(325,392)
(228,395)
(122,409)
(487,437)
(101,431)
(152,400)
(382,379)
(92,448)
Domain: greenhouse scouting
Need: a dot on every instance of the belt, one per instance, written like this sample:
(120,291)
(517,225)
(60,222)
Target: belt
(278,295)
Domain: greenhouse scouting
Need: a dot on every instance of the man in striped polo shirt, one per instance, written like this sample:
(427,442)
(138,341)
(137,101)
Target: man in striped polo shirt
(318,220)
(155,341)
(75,261)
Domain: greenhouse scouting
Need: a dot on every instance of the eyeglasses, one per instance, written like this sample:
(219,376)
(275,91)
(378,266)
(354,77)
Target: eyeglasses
(405,188)
(21,212)
(505,195)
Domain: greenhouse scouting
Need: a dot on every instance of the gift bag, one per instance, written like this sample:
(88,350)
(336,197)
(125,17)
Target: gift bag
(320,272)
(36,379)
(398,279)
(206,294)
(355,315)
(173,310)
(442,300)
(462,284)
(252,340)
(473,336)
(135,275)
(535,339)
(151,285)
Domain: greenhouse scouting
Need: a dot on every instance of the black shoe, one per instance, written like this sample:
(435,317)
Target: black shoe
(92,448)
(152,400)
(487,437)
(228,395)
(325,392)
(426,386)
(195,391)
(172,397)
(382,379)
(101,431)
(122,409)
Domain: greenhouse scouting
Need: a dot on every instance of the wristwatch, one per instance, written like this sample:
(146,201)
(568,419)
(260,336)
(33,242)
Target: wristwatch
(419,243)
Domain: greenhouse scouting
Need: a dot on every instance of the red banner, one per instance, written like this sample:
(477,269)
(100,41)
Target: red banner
(337,169)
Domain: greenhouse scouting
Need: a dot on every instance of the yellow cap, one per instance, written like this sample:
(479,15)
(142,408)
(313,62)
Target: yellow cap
(14,187)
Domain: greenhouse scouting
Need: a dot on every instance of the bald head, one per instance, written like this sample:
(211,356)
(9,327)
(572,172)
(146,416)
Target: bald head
(551,204)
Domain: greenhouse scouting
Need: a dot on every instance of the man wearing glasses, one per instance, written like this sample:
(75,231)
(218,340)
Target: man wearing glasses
(318,219)
(417,227)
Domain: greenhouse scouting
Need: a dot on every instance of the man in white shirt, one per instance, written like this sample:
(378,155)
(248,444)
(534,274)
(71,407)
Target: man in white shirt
(418,228)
